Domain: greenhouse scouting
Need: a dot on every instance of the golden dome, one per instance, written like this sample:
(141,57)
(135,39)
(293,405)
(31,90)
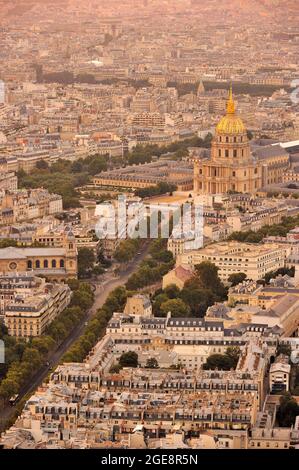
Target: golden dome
(231,123)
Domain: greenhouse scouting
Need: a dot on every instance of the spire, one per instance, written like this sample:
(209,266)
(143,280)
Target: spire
(230,108)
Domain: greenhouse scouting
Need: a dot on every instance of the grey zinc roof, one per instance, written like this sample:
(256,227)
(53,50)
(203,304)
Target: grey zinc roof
(23,253)
(282,305)
(270,151)
(10,253)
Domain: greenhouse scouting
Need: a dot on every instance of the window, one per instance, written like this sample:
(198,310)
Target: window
(53,263)
(61,263)
(226,153)
(29,264)
(235,153)
(37,263)
(46,263)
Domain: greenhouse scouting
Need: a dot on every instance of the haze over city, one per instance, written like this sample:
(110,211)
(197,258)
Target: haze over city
(149,227)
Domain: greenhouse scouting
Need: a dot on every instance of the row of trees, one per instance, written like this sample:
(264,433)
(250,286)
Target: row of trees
(24,358)
(63,177)
(161,188)
(127,249)
(179,149)
(90,264)
(96,327)
(239,88)
(287,224)
(153,268)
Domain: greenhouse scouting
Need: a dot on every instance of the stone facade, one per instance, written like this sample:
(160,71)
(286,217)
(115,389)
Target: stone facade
(232,166)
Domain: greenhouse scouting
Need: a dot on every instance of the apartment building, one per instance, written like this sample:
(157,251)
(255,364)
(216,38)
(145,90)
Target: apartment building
(233,257)
(28,315)
(279,375)
(8,182)
(22,205)
(254,294)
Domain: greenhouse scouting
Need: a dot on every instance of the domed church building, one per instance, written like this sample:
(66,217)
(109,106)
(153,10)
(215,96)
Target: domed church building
(232,166)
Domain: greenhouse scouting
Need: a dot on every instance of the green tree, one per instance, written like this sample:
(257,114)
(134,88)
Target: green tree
(115,368)
(77,167)
(126,250)
(86,261)
(208,276)
(177,307)
(284,349)
(218,361)
(152,363)
(6,242)
(42,165)
(32,357)
(172,291)
(288,410)
(233,353)
(236,278)
(129,359)
(8,388)
(226,361)
(97,165)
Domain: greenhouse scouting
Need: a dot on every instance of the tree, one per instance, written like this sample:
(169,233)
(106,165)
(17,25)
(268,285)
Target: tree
(97,165)
(115,368)
(77,167)
(288,410)
(152,363)
(284,349)
(177,307)
(172,291)
(233,353)
(236,278)
(208,276)
(218,361)
(126,250)
(8,388)
(42,165)
(86,260)
(158,301)
(128,359)
(6,242)
(32,357)
(197,297)
(225,361)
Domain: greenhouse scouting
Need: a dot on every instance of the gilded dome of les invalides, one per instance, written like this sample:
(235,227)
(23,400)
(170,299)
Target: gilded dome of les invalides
(231,123)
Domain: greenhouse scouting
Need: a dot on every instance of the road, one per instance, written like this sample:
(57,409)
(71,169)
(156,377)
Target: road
(104,286)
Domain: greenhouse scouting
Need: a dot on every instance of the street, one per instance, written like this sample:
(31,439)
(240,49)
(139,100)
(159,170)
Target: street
(106,285)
